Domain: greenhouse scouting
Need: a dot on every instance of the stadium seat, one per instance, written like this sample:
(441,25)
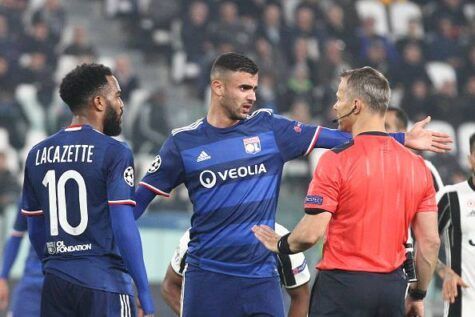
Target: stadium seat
(26,96)
(32,138)
(373,9)
(445,127)
(401,13)
(439,73)
(11,155)
(131,111)
(464,132)
(469,11)
(66,63)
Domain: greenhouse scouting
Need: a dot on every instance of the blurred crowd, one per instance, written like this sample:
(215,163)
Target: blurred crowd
(425,48)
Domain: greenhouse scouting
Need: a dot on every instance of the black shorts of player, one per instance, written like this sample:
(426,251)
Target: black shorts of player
(339,293)
(60,298)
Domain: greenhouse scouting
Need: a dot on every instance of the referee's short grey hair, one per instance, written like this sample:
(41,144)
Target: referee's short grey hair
(370,85)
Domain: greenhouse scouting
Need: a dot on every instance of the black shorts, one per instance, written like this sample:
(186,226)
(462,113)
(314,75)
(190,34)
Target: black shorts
(60,298)
(339,293)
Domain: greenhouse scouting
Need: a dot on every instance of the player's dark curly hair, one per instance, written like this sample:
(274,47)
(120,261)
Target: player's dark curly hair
(79,85)
(233,62)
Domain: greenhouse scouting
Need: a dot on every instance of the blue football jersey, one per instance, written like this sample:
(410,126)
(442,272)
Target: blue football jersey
(233,177)
(71,178)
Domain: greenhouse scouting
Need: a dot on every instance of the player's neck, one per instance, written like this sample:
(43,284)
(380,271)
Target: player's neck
(82,119)
(218,119)
(370,123)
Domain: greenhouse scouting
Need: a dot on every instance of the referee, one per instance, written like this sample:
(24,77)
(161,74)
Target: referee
(365,195)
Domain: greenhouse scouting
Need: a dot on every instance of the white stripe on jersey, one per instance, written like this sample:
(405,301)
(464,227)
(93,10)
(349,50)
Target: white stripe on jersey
(31,213)
(255,113)
(311,146)
(192,126)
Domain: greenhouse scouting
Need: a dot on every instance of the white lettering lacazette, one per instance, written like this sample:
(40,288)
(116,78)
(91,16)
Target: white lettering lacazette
(78,153)
(208,177)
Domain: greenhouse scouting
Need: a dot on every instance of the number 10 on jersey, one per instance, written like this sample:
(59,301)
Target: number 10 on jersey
(57,202)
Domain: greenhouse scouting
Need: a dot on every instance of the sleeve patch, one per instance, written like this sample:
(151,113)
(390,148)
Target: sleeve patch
(314,200)
(129,176)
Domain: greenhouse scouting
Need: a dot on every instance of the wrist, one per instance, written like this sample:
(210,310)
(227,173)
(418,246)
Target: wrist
(416,294)
(283,244)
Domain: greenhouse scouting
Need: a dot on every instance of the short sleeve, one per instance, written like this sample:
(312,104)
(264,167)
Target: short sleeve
(166,171)
(428,202)
(294,138)
(324,189)
(179,256)
(30,204)
(120,176)
(20,225)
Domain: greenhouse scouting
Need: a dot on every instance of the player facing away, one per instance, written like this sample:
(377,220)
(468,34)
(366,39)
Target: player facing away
(231,162)
(79,195)
(293,273)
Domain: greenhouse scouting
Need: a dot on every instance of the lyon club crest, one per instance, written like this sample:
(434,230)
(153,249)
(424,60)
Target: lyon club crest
(252,145)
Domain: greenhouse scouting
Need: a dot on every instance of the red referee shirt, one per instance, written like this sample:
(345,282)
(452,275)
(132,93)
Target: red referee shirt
(373,186)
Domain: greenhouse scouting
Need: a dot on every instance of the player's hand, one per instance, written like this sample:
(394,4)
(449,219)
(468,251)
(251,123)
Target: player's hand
(267,237)
(419,138)
(451,283)
(414,308)
(4,293)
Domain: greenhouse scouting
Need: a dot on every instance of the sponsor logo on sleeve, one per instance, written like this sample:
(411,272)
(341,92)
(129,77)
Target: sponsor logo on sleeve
(314,200)
(129,176)
(157,161)
(300,268)
(252,145)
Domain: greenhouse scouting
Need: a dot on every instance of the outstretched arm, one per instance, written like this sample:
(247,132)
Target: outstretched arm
(307,232)
(419,138)
(143,198)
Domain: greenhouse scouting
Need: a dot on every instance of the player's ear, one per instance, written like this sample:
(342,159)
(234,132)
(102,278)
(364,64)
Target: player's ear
(217,87)
(99,103)
(358,105)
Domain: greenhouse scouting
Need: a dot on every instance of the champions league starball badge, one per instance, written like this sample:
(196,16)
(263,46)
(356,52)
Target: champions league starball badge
(129,176)
(155,164)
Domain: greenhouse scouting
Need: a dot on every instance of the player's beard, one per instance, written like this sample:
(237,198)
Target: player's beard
(112,122)
(234,113)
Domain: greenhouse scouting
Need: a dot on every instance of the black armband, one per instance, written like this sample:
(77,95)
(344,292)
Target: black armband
(416,294)
(283,245)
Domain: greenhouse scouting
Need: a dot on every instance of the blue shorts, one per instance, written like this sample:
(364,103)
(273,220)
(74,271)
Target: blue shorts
(26,297)
(62,298)
(208,294)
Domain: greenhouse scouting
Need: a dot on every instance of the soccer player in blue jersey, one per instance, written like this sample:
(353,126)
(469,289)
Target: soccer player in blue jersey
(27,294)
(79,195)
(231,162)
